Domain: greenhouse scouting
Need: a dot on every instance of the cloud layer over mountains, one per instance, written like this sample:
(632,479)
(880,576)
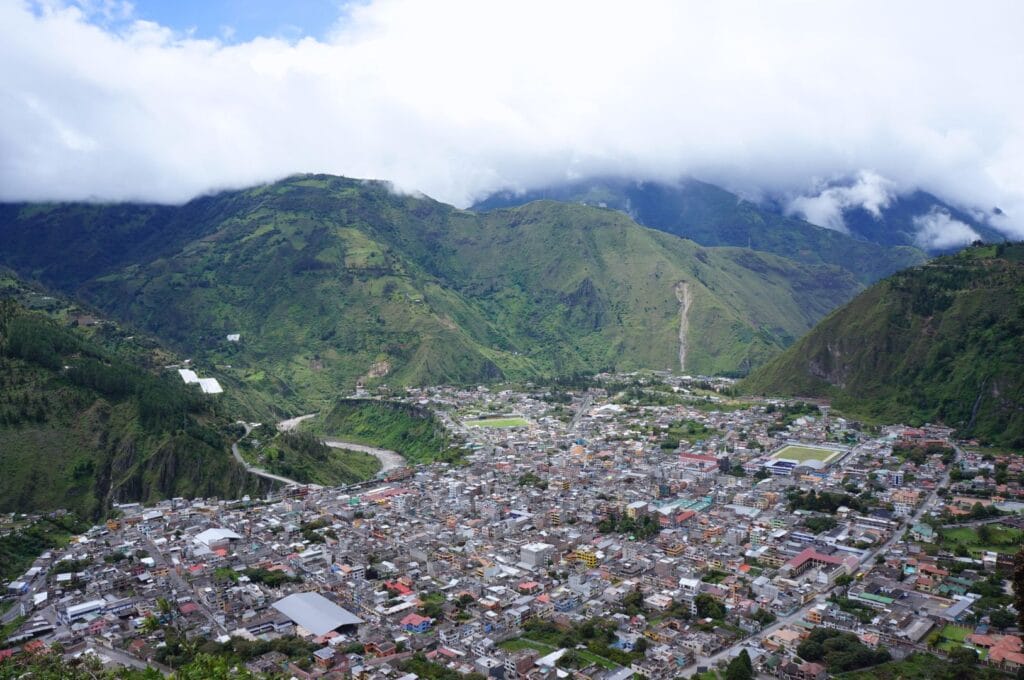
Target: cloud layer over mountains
(457,99)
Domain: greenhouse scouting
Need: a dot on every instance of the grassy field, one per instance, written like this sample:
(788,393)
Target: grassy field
(519,643)
(523,643)
(952,637)
(497,422)
(802,453)
(955,633)
(996,538)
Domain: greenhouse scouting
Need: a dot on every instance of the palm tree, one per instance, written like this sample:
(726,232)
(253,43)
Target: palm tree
(150,624)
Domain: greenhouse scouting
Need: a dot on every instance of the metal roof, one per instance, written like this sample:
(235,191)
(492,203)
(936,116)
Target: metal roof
(315,613)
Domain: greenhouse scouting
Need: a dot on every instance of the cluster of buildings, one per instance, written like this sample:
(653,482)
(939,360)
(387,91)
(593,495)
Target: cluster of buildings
(673,525)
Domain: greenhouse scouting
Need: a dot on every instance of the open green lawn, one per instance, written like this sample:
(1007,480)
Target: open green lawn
(516,644)
(599,660)
(802,453)
(523,643)
(996,538)
(497,422)
(955,633)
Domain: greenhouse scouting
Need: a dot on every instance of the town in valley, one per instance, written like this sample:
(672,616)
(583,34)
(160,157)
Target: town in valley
(631,525)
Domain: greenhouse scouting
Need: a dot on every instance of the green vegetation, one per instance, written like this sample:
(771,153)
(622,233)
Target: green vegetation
(709,608)
(938,343)
(863,612)
(9,628)
(596,635)
(331,282)
(983,538)
(183,653)
(88,667)
(919,453)
(531,479)
(81,425)
(819,523)
(497,422)
(574,658)
(423,668)
(257,575)
(712,216)
(740,668)
(920,666)
(640,528)
(20,547)
(826,501)
(788,413)
(839,651)
(413,432)
(303,457)
(516,644)
(684,430)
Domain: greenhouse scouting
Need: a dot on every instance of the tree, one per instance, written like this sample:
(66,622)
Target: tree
(1001,618)
(709,607)
(1018,587)
(984,533)
(962,656)
(740,668)
(149,624)
(810,650)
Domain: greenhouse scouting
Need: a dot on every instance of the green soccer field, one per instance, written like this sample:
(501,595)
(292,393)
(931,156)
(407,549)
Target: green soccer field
(498,422)
(802,453)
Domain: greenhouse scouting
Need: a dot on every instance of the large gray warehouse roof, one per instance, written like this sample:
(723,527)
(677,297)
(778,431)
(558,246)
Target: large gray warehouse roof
(315,613)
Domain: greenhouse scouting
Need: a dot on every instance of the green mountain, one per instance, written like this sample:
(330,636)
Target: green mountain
(330,281)
(712,216)
(940,343)
(82,426)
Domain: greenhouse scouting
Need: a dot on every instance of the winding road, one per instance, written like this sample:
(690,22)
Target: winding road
(389,460)
(260,472)
(292,423)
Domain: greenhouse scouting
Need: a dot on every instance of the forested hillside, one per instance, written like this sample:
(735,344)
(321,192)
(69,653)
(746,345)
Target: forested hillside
(942,343)
(81,427)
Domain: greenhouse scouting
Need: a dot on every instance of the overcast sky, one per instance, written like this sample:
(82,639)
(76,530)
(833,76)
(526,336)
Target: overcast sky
(109,101)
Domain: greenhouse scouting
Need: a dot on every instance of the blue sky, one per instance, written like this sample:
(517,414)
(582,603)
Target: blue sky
(243,20)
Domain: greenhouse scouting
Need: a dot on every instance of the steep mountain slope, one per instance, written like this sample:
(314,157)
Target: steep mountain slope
(942,342)
(81,426)
(713,216)
(330,280)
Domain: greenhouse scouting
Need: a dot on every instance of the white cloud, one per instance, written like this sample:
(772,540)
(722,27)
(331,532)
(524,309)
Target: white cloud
(870,191)
(457,98)
(937,230)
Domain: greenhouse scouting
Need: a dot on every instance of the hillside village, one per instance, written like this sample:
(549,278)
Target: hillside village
(639,526)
